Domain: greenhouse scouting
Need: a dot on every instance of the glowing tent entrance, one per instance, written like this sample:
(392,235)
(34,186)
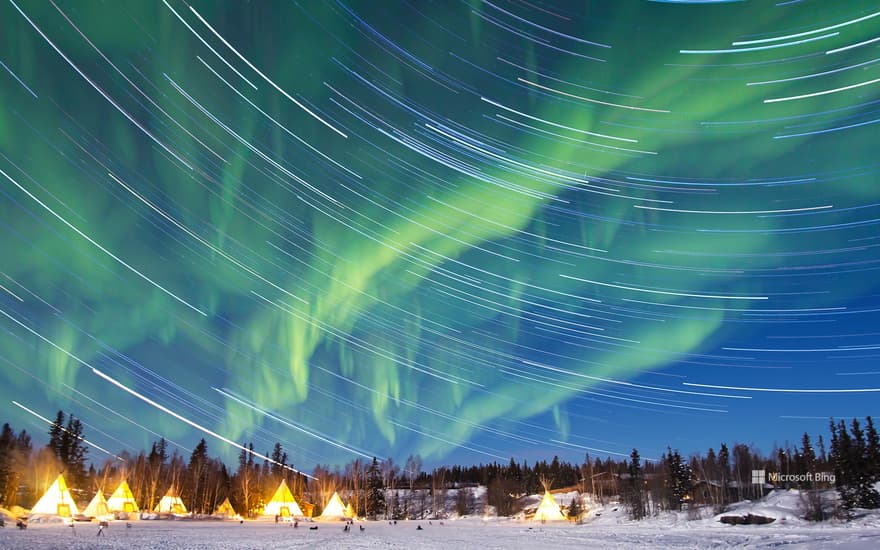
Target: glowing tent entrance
(122,500)
(335,509)
(548,510)
(97,507)
(170,504)
(56,501)
(282,503)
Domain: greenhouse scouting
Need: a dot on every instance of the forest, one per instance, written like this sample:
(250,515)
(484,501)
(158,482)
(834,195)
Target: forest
(848,462)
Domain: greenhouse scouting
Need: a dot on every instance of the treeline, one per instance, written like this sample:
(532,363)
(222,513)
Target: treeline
(386,489)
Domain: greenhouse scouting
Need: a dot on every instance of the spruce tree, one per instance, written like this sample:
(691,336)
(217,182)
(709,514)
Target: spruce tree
(679,479)
(636,486)
(807,459)
(851,458)
(862,476)
(77,451)
(195,474)
(375,491)
(575,509)
(7,446)
(279,461)
(872,450)
(56,433)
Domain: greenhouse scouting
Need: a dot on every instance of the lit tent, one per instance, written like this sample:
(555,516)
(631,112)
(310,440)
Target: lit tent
(170,503)
(334,509)
(225,509)
(349,511)
(282,503)
(56,501)
(122,499)
(97,507)
(548,510)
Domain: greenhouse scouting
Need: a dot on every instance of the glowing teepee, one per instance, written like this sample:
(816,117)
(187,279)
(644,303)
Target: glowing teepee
(225,509)
(282,503)
(56,501)
(122,499)
(170,503)
(334,509)
(548,510)
(97,507)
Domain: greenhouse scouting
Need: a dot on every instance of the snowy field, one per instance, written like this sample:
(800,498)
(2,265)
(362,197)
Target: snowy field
(458,535)
(605,527)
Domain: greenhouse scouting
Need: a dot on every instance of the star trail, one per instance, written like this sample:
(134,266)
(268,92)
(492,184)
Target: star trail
(462,229)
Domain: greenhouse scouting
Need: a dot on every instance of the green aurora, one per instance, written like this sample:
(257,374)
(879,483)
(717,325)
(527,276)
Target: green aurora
(504,223)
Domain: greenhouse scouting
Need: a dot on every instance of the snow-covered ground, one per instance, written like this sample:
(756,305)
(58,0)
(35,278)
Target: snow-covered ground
(606,527)
(461,534)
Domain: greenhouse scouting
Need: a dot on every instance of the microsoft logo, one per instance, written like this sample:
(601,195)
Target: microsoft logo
(759,477)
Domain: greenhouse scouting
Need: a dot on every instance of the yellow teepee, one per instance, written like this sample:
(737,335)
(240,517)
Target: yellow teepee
(56,501)
(334,509)
(97,507)
(122,499)
(225,509)
(548,510)
(282,503)
(349,511)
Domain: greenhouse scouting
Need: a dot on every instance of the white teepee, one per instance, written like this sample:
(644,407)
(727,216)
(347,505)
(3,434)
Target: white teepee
(56,501)
(548,510)
(170,504)
(97,507)
(282,503)
(335,509)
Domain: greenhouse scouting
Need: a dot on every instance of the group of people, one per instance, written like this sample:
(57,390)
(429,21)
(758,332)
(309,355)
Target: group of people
(349,524)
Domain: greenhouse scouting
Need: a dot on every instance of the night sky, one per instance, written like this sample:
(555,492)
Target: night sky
(468,230)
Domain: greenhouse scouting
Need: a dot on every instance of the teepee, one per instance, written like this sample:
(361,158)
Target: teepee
(349,512)
(170,504)
(282,503)
(334,509)
(122,500)
(97,507)
(548,510)
(225,509)
(56,501)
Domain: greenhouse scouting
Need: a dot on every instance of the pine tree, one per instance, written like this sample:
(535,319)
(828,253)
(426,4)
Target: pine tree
(7,446)
(862,476)
(850,456)
(56,433)
(396,510)
(679,479)
(279,459)
(15,453)
(575,509)
(636,486)
(872,450)
(71,448)
(808,459)
(375,491)
(724,472)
